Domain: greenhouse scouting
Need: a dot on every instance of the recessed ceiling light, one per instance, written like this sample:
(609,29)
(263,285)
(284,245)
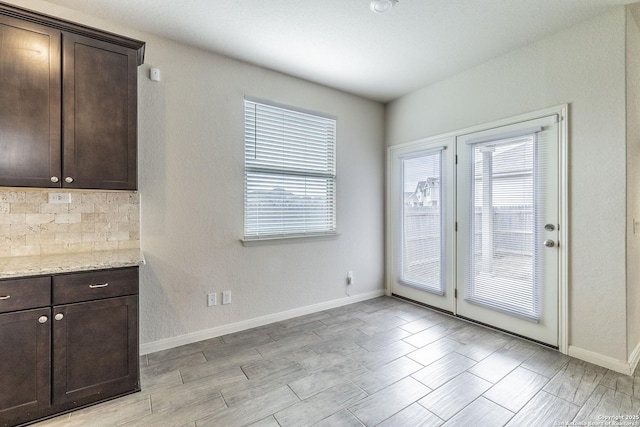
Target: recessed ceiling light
(382,6)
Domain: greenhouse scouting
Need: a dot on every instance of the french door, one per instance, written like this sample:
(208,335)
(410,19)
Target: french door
(507,208)
(421,255)
(474,225)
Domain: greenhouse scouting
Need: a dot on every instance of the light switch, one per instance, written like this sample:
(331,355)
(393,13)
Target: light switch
(226,297)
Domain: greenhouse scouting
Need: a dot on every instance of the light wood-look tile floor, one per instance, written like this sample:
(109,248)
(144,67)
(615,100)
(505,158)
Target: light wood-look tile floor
(382,362)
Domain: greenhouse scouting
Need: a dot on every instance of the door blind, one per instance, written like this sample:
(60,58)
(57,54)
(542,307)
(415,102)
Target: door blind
(290,172)
(422,222)
(504,273)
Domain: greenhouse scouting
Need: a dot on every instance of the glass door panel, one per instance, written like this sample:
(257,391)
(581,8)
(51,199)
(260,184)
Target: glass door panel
(508,215)
(422,222)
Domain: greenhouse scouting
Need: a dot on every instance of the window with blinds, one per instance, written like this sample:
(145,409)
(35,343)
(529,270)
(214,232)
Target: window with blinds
(422,222)
(290,172)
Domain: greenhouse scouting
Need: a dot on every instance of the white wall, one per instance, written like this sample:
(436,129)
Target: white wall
(192,196)
(585,67)
(191,185)
(633,180)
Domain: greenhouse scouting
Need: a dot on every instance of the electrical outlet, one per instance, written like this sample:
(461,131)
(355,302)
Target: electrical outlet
(212,299)
(59,197)
(349,278)
(226,297)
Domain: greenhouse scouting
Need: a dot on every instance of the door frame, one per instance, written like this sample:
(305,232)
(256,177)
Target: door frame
(563,205)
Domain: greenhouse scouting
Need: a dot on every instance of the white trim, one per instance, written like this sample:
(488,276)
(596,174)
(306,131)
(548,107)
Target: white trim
(634,359)
(168,343)
(602,360)
(563,232)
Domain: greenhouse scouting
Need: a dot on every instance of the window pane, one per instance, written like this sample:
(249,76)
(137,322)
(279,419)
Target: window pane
(422,254)
(283,205)
(289,172)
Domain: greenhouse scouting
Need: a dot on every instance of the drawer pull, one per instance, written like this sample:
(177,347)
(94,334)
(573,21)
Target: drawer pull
(104,285)
(5,297)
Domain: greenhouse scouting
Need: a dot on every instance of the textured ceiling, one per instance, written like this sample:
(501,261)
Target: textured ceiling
(342,44)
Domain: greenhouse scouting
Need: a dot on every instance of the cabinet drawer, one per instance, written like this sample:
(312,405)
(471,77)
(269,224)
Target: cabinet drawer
(20,294)
(77,287)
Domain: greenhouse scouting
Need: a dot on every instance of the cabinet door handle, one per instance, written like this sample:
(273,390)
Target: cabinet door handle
(43,319)
(104,285)
(55,179)
(5,297)
(68,180)
(58,316)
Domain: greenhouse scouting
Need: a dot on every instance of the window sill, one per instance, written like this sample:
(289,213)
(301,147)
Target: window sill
(292,239)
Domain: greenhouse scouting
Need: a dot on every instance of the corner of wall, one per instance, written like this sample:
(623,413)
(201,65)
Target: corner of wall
(632,87)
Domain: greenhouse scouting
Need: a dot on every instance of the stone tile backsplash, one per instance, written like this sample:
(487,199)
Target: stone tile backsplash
(93,221)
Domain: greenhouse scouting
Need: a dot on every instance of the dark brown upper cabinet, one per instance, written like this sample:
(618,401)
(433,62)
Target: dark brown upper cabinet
(68,104)
(30,116)
(99,101)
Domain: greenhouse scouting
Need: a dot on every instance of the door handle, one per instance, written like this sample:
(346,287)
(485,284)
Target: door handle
(549,243)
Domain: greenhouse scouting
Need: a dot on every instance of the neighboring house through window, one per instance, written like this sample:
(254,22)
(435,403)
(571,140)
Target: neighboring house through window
(290,172)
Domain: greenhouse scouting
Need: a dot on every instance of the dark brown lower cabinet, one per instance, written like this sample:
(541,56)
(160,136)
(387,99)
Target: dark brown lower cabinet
(91,357)
(25,340)
(81,347)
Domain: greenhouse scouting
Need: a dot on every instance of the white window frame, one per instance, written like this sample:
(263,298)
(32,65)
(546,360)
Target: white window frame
(310,179)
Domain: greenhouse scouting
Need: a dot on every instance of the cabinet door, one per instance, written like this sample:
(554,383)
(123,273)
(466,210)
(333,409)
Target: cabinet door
(29,104)
(100,114)
(95,353)
(25,355)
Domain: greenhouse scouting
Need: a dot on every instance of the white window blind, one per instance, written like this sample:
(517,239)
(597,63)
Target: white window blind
(505,177)
(422,222)
(290,172)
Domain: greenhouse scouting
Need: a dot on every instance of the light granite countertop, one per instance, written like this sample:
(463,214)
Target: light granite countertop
(66,263)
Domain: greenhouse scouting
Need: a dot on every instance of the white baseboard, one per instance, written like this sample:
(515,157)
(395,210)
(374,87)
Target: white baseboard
(634,359)
(624,367)
(168,343)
